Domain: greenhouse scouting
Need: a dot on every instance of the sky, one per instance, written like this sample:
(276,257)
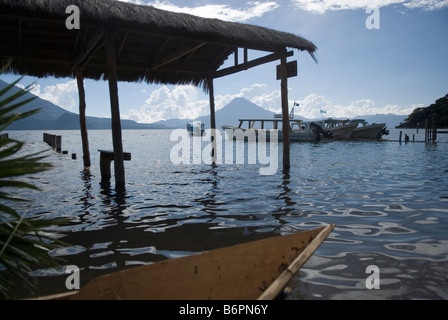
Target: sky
(374,57)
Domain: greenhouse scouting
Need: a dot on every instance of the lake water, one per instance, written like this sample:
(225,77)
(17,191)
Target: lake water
(389,201)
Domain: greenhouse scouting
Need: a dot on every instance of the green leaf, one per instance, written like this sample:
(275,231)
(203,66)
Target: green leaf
(24,241)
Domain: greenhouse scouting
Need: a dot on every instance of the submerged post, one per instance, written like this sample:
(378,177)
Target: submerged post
(285,113)
(115,112)
(82,117)
(58,143)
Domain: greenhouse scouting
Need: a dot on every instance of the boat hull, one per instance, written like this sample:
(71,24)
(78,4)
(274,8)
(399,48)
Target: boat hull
(372,131)
(343,131)
(254,270)
(294,136)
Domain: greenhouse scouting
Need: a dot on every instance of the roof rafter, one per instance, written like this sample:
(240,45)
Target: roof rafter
(250,64)
(97,42)
(176,55)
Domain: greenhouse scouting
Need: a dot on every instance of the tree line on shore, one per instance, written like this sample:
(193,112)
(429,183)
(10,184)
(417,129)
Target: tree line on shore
(417,118)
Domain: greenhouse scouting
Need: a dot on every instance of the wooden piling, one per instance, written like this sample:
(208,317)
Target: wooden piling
(106,157)
(115,112)
(431,128)
(58,143)
(82,117)
(285,113)
(212,119)
(399,136)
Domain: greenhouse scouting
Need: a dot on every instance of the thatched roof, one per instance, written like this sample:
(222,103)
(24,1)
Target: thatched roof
(152,45)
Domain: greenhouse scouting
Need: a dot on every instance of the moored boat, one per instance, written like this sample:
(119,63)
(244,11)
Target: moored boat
(368,131)
(196,128)
(339,129)
(298,131)
(254,270)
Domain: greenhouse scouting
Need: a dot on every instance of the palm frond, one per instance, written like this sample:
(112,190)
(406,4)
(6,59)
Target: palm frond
(24,241)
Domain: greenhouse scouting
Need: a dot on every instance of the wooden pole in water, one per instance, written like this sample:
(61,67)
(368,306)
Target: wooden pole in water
(115,113)
(82,117)
(58,143)
(285,113)
(212,118)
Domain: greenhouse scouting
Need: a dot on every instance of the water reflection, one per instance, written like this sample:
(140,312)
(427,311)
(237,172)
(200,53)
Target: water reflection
(388,202)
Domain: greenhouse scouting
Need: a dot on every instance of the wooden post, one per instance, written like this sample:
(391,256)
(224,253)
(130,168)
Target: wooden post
(115,113)
(285,113)
(399,136)
(212,119)
(105,161)
(58,143)
(434,127)
(82,117)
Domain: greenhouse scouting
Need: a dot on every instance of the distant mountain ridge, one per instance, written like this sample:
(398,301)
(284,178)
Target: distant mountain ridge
(234,110)
(52,117)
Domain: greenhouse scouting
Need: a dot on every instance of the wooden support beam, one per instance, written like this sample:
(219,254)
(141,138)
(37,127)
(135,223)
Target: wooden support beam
(97,42)
(212,119)
(178,54)
(285,114)
(156,56)
(115,113)
(77,40)
(82,117)
(122,43)
(235,53)
(19,34)
(251,64)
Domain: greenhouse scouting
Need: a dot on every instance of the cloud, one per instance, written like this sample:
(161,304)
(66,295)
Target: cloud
(311,106)
(321,6)
(189,102)
(427,4)
(165,103)
(63,95)
(133,1)
(254,9)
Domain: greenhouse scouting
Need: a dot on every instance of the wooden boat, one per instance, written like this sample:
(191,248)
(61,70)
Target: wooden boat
(254,270)
(297,131)
(369,131)
(339,129)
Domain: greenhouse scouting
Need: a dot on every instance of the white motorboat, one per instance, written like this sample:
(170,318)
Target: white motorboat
(297,130)
(196,128)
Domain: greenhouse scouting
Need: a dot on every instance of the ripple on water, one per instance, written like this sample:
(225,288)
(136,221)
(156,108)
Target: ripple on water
(388,202)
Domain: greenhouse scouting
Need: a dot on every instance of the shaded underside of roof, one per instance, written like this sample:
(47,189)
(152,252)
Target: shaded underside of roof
(151,45)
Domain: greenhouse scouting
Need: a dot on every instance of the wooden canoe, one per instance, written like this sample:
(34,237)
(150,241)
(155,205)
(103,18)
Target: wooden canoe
(255,270)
